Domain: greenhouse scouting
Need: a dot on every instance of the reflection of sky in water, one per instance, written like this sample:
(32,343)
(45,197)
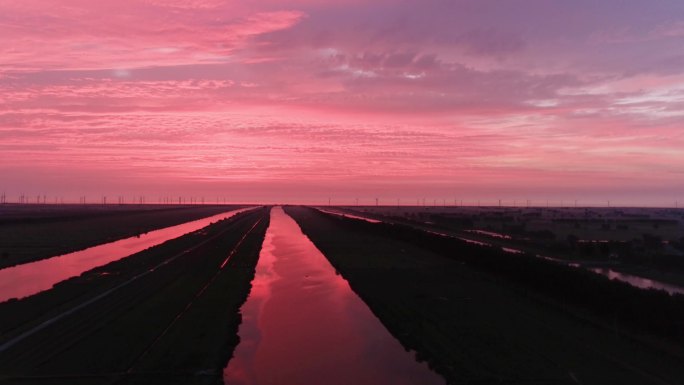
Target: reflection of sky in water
(31,278)
(643,283)
(639,282)
(349,215)
(489,233)
(302,324)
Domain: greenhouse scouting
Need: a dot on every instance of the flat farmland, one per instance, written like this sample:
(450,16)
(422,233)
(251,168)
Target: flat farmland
(179,312)
(477,326)
(166,315)
(646,243)
(34,232)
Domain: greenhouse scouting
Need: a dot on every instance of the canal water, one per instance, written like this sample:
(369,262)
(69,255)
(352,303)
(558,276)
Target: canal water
(636,281)
(31,278)
(640,282)
(346,215)
(302,324)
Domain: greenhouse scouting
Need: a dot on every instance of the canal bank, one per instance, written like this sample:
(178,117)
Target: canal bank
(302,323)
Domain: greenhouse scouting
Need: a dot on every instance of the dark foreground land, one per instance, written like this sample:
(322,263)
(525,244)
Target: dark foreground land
(167,315)
(645,242)
(481,316)
(34,232)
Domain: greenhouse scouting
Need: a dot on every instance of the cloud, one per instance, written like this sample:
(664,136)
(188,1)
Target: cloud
(436,96)
(127,35)
(490,42)
(188,4)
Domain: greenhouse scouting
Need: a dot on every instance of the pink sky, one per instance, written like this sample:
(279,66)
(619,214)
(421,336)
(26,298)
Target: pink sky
(303,100)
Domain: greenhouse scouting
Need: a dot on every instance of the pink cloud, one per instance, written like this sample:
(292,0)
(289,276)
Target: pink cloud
(120,36)
(389,98)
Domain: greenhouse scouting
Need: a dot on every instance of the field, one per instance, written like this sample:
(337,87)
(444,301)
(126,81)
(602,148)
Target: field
(476,314)
(34,232)
(166,315)
(647,242)
(475,326)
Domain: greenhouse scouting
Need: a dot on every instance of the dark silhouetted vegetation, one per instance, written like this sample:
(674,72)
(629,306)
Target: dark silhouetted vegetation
(479,315)
(31,233)
(622,303)
(145,331)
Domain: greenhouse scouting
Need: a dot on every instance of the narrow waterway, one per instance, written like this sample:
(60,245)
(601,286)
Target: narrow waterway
(346,215)
(640,282)
(33,277)
(302,324)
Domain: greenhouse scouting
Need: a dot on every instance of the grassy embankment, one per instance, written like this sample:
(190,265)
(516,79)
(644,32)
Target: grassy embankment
(37,232)
(478,315)
(165,327)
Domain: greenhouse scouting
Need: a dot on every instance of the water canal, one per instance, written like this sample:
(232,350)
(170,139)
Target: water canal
(302,324)
(636,281)
(33,277)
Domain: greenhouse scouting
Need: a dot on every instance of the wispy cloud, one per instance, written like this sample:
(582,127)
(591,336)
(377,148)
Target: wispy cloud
(383,97)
